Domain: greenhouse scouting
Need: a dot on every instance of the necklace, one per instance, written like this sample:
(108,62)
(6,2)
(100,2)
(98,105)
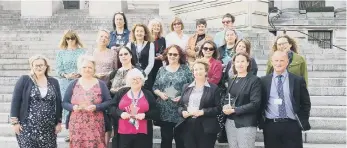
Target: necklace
(238,79)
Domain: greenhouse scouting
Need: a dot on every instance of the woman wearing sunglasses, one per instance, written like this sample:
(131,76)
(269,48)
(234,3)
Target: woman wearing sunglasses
(117,77)
(71,48)
(210,53)
(176,36)
(168,87)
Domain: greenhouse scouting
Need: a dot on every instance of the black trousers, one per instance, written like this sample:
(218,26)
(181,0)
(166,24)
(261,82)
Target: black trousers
(282,135)
(134,141)
(195,137)
(168,133)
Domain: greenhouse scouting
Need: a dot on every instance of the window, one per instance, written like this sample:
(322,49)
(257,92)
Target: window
(322,35)
(303,4)
(271,3)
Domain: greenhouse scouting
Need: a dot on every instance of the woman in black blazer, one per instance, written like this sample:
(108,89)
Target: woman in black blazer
(243,103)
(200,105)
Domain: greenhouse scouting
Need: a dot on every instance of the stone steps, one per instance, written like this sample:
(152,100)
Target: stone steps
(316,111)
(312,136)
(313,82)
(10,142)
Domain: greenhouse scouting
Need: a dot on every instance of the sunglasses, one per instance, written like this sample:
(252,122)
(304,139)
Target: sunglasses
(226,22)
(173,54)
(125,54)
(177,24)
(207,48)
(70,38)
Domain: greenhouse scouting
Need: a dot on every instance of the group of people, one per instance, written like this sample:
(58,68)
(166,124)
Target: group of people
(193,88)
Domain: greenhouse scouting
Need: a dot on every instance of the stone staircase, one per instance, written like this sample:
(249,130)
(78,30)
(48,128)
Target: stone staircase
(22,38)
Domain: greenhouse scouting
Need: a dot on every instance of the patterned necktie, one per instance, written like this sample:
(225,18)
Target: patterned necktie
(282,107)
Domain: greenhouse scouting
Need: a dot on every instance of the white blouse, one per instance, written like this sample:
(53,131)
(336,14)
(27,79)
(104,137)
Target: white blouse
(173,39)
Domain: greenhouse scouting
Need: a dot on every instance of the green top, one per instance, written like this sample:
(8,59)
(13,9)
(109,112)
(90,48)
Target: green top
(297,67)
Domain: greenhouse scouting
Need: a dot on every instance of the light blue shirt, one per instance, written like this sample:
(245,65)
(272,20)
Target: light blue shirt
(271,111)
(219,38)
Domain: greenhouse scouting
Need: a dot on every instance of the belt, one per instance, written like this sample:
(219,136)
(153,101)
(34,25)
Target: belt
(279,120)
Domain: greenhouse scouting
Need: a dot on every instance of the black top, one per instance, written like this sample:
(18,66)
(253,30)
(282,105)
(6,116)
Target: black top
(210,104)
(159,45)
(141,57)
(199,38)
(21,98)
(254,69)
(247,101)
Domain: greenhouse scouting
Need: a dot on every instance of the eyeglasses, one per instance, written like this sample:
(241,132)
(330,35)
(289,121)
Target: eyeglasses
(124,54)
(177,24)
(226,22)
(70,38)
(137,79)
(173,54)
(39,66)
(207,48)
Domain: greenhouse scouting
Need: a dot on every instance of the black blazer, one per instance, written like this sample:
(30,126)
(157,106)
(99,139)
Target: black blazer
(210,104)
(21,98)
(298,95)
(247,102)
(152,114)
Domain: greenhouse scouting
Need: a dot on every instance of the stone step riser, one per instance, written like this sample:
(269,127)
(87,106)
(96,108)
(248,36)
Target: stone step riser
(316,111)
(314,82)
(310,136)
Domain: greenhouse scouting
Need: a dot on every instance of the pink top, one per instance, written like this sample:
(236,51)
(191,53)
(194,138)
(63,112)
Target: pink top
(214,73)
(124,127)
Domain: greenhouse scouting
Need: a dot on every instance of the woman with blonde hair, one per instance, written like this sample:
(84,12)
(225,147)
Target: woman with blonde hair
(36,109)
(156,28)
(143,50)
(87,98)
(297,63)
(105,58)
(176,36)
(71,48)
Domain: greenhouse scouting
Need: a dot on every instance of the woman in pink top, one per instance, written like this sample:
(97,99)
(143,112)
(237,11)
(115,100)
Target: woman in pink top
(209,52)
(133,108)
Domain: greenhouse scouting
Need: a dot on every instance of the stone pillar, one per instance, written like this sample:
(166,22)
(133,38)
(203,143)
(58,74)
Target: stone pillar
(10,5)
(36,8)
(105,8)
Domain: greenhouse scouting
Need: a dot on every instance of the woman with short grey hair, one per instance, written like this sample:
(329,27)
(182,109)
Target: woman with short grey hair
(133,109)
(87,98)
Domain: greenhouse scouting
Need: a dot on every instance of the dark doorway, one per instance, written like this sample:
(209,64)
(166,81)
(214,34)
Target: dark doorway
(71,4)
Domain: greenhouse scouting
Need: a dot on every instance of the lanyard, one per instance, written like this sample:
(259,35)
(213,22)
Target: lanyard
(135,100)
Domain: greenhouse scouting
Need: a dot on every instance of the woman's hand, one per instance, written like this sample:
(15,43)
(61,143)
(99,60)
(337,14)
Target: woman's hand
(140,116)
(17,128)
(125,115)
(176,99)
(185,114)
(76,108)
(90,108)
(198,113)
(58,128)
(163,96)
(228,111)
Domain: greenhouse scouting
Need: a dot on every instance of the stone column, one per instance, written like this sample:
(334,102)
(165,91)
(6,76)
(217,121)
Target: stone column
(36,8)
(105,8)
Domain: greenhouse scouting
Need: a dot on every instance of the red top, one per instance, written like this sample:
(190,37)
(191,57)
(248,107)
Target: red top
(215,72)
(124,127)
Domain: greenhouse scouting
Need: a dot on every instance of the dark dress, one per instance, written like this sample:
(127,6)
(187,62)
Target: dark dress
(159,46)
(39,126)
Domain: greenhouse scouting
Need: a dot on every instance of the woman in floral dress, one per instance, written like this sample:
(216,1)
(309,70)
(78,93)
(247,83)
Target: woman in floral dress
(168,87)
(36,107)
(71,48)
(87,98)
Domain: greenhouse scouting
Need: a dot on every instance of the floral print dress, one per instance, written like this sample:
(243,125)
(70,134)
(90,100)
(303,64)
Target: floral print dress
(39,127)
(86,129)
(171,83)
